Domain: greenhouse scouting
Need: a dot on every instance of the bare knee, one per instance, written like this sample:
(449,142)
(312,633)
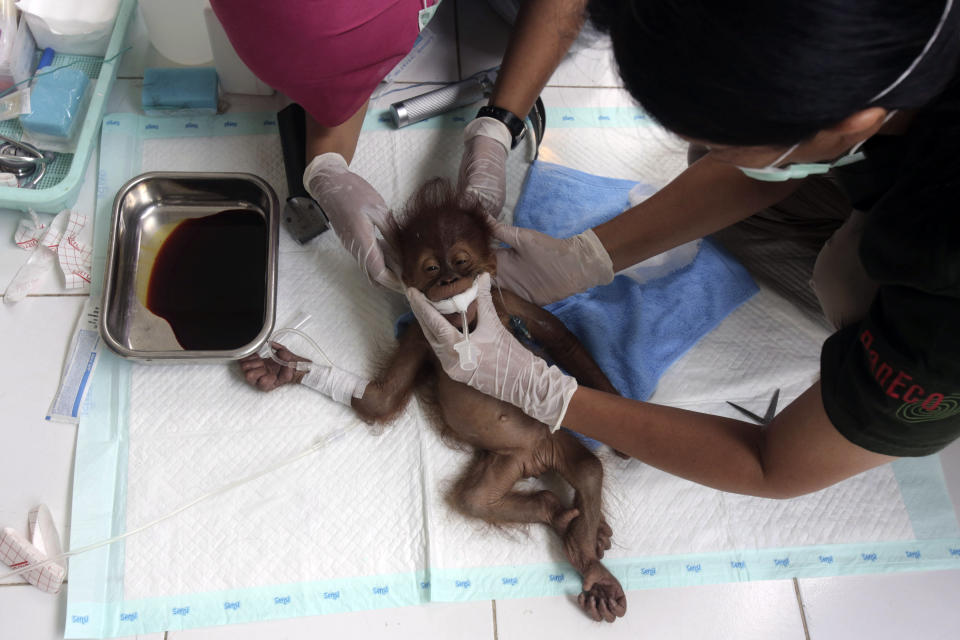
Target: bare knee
(480,502)
(474,501)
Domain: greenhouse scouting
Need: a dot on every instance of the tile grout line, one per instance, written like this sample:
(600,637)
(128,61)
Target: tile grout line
(57,295)
(456,37)
(54,295)
(584,86)
(496,632)
(803,614)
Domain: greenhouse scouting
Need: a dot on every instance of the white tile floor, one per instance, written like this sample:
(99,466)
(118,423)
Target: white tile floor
(36,462)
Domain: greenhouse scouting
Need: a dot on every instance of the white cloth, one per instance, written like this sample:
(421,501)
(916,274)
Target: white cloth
(376,506)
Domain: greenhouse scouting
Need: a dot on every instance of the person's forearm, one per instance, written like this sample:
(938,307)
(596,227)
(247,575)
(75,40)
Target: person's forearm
(341,138)
(798,452)
(544,31)
(719,452)
(707,197)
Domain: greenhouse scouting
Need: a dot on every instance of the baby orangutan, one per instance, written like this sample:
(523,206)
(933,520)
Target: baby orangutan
(444,247)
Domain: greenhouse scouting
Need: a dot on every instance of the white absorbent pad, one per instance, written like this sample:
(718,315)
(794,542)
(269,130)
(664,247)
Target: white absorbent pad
(362,522)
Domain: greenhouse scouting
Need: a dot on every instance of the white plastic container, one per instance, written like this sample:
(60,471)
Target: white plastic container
(71,27)
(178,30)
(665,263)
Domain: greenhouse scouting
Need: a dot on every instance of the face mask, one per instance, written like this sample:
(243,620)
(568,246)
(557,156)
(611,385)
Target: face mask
(773,173)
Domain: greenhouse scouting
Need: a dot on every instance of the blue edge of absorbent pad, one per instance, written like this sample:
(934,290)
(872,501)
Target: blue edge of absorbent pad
(95,606)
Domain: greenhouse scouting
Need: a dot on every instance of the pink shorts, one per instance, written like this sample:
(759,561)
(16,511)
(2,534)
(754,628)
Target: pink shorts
(326,55)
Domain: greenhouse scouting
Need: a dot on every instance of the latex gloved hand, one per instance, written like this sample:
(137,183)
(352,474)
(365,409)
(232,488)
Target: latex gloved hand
(543,269)
(483,166)
(356,211)
(505,368)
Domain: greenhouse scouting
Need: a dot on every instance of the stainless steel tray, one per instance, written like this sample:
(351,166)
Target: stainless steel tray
(145,212)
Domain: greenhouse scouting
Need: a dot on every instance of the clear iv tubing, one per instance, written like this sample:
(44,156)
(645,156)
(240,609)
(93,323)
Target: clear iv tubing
(10,89)
(233,485)
(338,433)
(310,341)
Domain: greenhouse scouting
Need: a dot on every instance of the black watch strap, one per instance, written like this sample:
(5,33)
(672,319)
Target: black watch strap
(513,123)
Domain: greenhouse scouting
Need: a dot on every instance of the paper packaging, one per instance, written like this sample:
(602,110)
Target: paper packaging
(68,403)
(16,61)
(17,552)
(65,241)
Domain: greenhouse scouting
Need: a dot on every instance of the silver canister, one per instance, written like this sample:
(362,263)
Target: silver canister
(440,100)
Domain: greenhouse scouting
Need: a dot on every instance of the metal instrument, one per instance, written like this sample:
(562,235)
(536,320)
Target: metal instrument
(440,100)
(767,417)
(459,94)
(145,210)
(302,216)
(23,160)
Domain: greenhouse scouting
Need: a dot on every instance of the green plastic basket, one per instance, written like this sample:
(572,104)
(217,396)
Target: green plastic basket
(61,183)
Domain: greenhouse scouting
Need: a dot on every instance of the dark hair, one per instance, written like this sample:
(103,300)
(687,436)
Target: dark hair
(774,72)
(436,196)
(437,213)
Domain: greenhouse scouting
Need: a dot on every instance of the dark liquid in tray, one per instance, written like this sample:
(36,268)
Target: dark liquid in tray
(209,280)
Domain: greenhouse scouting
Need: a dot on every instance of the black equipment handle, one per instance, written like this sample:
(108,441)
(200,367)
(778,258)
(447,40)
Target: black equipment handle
(292,124)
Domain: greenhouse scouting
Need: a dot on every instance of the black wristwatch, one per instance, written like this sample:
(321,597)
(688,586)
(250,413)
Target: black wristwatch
(514,124)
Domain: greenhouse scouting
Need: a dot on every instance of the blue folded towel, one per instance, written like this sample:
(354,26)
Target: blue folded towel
(634,332)
(182,91)
(56,100)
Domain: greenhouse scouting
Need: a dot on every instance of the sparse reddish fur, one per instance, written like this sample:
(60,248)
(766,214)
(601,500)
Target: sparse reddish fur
(445,242)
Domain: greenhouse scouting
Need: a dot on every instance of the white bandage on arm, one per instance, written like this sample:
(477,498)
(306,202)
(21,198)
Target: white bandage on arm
(335,383)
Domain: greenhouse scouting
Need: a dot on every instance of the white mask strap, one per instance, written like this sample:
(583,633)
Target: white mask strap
(782,157)
(913,65)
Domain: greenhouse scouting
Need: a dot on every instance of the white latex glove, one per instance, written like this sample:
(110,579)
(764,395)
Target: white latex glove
(505,369)
(543,269)
(336,383)
(483,173)
(355,211)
